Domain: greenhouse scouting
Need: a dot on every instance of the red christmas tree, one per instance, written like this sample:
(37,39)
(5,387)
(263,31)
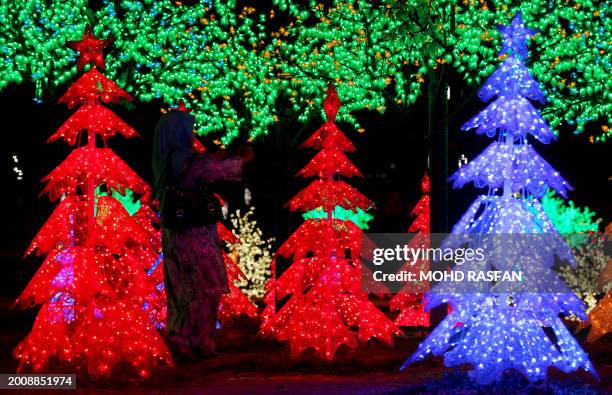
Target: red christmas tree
(409,301)
(93,288)
(235,303)
(327,307)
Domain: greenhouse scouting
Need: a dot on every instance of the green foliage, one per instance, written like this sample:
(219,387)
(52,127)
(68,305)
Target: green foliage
(380,53)
(207,56)
(569,220)
(128,201)
(359,217)
(234,66)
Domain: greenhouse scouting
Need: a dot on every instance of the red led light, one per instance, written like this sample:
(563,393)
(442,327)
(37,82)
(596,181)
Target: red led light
(327,308)
(98,303)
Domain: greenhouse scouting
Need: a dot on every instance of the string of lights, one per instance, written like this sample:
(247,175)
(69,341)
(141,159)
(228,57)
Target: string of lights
(327,307)
(409,300)
(491,329)
(253,253)
(99,302)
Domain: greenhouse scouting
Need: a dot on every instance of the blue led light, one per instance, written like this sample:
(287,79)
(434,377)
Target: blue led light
(491,329)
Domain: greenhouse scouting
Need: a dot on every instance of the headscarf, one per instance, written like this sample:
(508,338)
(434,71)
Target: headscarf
(172,149)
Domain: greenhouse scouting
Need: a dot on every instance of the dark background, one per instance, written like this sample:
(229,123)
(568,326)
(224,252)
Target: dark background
(391,154)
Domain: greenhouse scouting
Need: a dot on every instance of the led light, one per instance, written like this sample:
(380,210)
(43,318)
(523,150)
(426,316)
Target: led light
(327,307)
(97,286)
(488,329)
(409,300)
(253,253)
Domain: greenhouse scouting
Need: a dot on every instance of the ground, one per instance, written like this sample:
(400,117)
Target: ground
(249,365)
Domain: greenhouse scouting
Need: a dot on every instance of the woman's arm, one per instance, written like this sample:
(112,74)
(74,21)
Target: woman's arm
(211,168)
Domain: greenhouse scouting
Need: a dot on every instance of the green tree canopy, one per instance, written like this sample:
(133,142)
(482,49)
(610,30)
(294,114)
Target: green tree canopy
(206,55)
(381,52)
(232,64)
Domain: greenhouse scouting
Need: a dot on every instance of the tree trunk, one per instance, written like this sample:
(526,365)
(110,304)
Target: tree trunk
(438,149)
(438,164)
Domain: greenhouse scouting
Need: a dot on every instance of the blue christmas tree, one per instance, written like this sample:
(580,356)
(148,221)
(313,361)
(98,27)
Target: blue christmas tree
(501,325)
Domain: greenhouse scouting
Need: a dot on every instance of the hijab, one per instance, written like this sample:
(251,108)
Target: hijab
(172,149)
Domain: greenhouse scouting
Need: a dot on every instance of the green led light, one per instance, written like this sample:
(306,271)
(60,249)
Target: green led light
(381,54)
(359,218)
(208,56)
(569,220)
(127,200)
(239,71)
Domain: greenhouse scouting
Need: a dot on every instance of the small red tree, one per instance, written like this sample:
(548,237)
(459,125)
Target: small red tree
(93,287)
(327,307)
(235,303)
(409,300)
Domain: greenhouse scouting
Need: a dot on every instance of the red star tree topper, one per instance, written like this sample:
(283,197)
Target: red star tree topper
(90,49)
(409,301)
(327,307)
(97,301)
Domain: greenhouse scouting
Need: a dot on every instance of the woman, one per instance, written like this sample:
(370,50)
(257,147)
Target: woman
(194,272)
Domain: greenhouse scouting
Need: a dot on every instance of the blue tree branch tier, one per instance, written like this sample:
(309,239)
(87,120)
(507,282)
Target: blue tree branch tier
(511,78)
(511,112)
(529,171)
(495,326)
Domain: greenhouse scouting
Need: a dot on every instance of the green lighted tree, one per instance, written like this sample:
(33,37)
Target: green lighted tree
(580,228)
(381,52)
(207,54)
(570,220)
(231,64)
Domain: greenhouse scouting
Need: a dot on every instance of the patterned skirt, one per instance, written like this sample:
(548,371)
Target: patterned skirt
(195,278)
